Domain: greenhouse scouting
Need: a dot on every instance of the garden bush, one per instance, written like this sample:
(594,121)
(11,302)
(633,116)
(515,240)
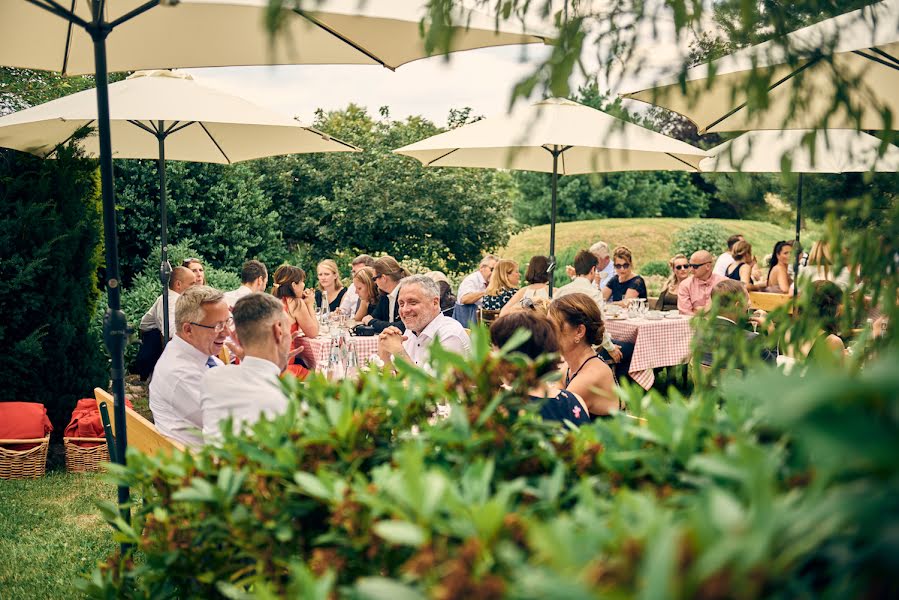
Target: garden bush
(701,236)
(655,267)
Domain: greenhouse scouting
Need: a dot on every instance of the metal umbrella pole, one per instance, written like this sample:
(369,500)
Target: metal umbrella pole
(798,248)
(556,152)
(115,325)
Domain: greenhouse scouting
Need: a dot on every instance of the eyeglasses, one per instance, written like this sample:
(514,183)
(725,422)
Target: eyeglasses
(682,267)
(623,265)
(697,265)
(376,277)
(218,327)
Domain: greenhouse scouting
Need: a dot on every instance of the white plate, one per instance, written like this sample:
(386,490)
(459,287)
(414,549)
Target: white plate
(672,315)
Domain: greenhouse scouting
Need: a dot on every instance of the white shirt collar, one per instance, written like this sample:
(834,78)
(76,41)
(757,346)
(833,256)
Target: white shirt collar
(430,329)
(260,364)
(189,352)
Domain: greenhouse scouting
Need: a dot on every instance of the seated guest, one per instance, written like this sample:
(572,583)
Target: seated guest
(350,303)
(826,304)
(253,278)
(447,297)
(694,294)
(821,267)
(471,292)
(779,280)
(584,275)
(503,284)
(180,279)
(555,404)
(367,292)
(251,389)
(196,267)
(732,302)
(741,268)
(726,258)
(625,285)
(329,284)
(537,276)
(580,329)
(299,304)
(604,269)
(419,306)
(202,324)
(680,270)
(388,274)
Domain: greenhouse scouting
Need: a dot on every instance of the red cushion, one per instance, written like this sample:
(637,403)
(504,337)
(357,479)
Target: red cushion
(86,421)
(23,421)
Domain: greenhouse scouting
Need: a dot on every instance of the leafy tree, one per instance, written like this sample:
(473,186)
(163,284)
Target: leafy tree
(24,88)
(379,202)
(50,251)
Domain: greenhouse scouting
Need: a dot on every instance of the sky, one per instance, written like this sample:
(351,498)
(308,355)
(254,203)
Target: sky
(480,79)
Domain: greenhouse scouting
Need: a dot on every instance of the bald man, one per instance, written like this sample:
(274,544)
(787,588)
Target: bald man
(694,295)
(181,279)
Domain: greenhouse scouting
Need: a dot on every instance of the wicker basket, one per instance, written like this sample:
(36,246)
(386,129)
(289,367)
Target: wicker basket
(24,464)
(85,459)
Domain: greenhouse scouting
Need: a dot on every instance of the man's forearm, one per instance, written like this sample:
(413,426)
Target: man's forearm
(471,298)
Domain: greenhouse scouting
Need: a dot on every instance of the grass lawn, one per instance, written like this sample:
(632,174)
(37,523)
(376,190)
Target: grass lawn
(648,239)
(51,533)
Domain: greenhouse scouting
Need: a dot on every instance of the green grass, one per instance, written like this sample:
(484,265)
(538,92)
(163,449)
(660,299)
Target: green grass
(51,533)
(648,239)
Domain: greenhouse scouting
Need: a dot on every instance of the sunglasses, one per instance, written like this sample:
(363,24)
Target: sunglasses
(682,267)
(697,265)
(623,265)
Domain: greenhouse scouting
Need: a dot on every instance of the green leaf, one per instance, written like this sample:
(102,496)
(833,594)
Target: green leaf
(381,588)
(312,485)
(401,533)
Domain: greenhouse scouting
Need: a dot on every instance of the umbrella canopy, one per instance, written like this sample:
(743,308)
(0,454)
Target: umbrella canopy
(166,115)
(555,136)
(209,33)
(861,46)
(205,124)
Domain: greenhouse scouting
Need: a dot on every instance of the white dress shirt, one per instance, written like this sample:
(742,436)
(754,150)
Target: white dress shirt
(153,317)
(350,301)
(450,332)
(175,392)
(233,296)
(391,303)
(582,285)
(472,283)
(244,392)
(725,260)
(605,275)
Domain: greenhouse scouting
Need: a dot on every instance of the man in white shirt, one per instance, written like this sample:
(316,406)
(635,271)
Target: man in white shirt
(419,302)
(472,291)
(604,267)
(726,259)
(180,279)
(202,324)
(350,301)
(585,263)
(253,278)
(251,389)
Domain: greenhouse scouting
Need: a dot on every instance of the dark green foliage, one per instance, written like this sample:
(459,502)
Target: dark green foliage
(50,251)
(701,236)
(857,199)
(655,267)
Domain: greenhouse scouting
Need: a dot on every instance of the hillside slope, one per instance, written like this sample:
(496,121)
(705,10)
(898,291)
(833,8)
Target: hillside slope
(648,239)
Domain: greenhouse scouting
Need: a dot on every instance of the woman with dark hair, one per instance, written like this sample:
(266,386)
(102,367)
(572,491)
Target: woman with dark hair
(367,291)
(388,274)
(625,285)
(580,329)
(447,297)
(555,404)
(826,304)
(741,269)
(537,276)
(779,280)
(299,304)
(197,268)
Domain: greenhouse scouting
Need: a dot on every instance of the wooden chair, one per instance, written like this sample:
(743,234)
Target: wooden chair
(486,316)
(142,434)
(768,302)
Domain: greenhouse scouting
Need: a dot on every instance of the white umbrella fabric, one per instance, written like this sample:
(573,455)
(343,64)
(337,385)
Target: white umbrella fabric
(555,136)
(833,151)
(861,46)
(166,115)
(44,34)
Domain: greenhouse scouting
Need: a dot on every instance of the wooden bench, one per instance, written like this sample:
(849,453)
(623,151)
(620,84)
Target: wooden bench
(768,302)
(142,434)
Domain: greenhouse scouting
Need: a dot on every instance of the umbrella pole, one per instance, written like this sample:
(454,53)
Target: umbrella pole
(165,269)
(115,324)
(552,223)
(798,247)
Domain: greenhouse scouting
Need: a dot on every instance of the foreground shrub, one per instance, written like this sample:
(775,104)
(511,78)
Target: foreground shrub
(356,492)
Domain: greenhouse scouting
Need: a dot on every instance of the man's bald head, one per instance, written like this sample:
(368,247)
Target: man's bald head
(702,264)
(181,279)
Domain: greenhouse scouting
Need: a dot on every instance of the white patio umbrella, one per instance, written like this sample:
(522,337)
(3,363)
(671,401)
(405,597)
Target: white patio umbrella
(166,115)
(73,38)
(833,151)
(555,136)
(861,46)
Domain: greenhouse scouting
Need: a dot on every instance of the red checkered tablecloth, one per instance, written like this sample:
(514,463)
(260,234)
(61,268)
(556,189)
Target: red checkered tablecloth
(657,343)
(366,347)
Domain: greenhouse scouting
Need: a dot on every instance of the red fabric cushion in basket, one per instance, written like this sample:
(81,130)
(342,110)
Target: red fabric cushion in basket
(86,421)
(23,421)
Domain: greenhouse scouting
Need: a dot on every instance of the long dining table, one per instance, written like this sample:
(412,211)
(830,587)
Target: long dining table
(663,342)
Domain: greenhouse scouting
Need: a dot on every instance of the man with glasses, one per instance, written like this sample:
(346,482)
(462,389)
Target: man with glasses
(694,294)
(472,291)
(202,324)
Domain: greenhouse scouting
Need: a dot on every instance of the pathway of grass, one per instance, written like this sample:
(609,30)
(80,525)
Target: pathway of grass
(50,534)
